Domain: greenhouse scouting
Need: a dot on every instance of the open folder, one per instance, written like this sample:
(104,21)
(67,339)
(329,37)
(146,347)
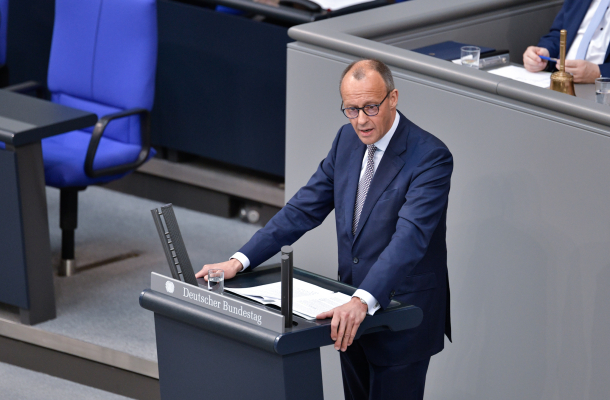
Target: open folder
(308,300)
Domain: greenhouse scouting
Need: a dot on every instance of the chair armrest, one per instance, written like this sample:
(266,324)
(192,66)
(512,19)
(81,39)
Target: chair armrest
(27,87)
(96,136)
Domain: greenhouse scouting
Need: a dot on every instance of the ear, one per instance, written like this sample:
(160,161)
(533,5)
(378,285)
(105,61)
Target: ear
(393,98)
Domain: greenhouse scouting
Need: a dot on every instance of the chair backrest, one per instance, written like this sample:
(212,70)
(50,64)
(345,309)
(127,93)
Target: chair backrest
(3,30)
(103,59)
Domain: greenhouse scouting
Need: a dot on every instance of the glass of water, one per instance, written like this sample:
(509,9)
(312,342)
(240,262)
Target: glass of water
(216,280)
(470,56)
(602,90)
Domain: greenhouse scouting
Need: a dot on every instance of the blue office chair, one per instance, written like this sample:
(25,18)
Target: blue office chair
(103,60)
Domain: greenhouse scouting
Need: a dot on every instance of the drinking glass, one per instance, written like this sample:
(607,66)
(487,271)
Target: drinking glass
(470,56)
(216,280)
(602,90)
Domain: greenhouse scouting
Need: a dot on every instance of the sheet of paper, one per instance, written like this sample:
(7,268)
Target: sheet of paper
(541,79)
(337,4)
(310,306)
(308,300)
(274,290)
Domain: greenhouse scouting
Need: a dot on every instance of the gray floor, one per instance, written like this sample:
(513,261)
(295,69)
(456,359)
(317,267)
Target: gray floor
(100,305)
(22,384)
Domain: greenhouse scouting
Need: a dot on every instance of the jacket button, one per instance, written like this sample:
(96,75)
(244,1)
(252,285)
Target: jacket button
(392,294)
(356,260)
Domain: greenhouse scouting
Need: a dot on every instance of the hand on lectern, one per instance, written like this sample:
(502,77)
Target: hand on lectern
(346,320)
(231,268)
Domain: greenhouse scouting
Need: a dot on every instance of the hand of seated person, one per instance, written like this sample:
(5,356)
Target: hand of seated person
(583,71)
(532,62)
(231,268)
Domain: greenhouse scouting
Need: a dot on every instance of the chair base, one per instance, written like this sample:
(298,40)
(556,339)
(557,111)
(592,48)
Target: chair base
(67,268)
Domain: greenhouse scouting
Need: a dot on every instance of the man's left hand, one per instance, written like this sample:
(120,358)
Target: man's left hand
(583,71)
(346,320)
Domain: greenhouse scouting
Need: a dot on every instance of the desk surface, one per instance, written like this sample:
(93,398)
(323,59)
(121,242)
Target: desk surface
(25,119)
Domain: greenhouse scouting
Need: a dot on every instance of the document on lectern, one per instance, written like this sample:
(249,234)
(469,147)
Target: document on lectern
(308,300)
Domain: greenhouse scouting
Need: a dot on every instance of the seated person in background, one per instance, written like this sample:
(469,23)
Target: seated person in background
(588,26)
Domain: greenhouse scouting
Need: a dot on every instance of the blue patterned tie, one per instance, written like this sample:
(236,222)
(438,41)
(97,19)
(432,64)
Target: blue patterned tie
(593,26)
(363,186)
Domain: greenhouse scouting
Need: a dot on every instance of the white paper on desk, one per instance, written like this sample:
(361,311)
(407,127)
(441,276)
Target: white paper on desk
(310,306)
(273,291)
(308,300)
(337,4)
(541,79)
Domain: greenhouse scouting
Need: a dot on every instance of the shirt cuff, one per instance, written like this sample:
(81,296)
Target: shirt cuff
(371,301)
(241,257)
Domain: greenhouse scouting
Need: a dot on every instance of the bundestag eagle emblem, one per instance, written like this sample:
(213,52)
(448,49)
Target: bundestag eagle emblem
(169,286)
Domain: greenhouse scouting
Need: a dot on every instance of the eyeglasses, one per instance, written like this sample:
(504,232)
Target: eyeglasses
(371,109)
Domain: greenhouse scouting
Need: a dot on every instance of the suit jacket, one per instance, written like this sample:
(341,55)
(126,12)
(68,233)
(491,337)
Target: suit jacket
(569,18)
(399,248)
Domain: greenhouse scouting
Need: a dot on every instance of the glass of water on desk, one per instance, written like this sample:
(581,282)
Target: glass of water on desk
(470,56)
(216,280)
(602,90)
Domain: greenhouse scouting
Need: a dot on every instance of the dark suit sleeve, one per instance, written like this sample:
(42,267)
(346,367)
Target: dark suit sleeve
(604,69)
(418,218)
(564,20)
(550,41)
(305,211)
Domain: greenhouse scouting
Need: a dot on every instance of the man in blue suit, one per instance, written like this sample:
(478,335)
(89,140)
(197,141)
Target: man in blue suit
(587,23)
(388,181)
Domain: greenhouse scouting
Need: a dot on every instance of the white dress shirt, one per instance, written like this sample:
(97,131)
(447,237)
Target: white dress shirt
(596,53)
(382,145)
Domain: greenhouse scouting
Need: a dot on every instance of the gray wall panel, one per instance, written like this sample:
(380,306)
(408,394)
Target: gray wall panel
(528,234)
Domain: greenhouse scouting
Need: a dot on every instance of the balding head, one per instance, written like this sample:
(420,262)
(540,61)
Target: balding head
(358,70)
(370,98)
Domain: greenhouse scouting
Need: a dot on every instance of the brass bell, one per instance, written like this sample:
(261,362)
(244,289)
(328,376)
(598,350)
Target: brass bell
(562,81)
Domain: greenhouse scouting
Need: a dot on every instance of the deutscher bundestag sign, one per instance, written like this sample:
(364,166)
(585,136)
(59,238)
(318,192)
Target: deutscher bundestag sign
(223,303)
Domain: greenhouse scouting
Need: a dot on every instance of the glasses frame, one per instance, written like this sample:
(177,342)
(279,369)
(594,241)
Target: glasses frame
(362,108)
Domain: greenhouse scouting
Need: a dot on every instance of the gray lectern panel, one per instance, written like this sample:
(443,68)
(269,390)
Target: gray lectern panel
(597,113)
(209,320)
(304,335)
(199,364)
(208,354)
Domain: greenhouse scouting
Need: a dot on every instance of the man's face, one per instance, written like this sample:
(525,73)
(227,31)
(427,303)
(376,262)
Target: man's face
(369,90)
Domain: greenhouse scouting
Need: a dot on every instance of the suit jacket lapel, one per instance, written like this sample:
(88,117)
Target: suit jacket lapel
(390,165)
(355,164)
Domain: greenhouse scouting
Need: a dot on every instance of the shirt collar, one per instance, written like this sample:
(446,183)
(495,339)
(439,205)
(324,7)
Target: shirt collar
(383,143)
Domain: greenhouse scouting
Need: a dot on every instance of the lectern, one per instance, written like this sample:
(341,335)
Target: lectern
(219,347)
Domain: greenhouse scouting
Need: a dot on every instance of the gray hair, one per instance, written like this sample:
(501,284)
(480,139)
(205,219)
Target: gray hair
(359,68)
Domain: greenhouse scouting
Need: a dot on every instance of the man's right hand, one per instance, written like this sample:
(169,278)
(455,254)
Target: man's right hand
(231,268)
(532,62)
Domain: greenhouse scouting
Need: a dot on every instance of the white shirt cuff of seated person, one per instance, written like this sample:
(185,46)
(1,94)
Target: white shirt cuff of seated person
(241,257)
(371,301)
